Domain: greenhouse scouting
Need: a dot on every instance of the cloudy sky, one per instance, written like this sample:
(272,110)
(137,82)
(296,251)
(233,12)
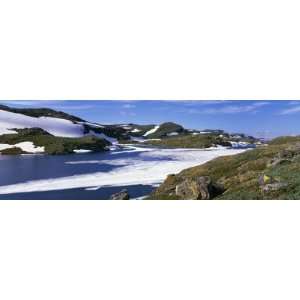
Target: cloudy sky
(259,118)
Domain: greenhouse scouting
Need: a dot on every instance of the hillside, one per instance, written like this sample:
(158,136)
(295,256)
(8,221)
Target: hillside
(63,127)
(36,140)
(41,112)
(205,139)
(268,172)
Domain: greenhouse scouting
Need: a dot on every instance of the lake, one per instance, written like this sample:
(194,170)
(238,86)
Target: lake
(96,176)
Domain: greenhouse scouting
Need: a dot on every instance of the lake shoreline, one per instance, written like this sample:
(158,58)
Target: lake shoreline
(130,166)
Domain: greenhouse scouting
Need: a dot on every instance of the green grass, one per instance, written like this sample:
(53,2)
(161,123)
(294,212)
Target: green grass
(12,151)
(166,128)
(239,174)
(190,141)
(53,144)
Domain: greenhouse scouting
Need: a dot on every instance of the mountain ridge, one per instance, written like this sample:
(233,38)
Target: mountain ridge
(63,125)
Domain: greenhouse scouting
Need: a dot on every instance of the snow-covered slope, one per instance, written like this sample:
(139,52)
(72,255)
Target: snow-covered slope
(55,126)
(25,146)
(152,130)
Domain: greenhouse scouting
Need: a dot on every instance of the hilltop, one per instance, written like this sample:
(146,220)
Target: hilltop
(268,172)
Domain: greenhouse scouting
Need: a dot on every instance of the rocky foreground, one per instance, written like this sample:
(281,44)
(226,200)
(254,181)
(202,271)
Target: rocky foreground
(268,172)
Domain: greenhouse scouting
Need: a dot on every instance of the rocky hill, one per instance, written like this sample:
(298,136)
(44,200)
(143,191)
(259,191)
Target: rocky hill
(267,172)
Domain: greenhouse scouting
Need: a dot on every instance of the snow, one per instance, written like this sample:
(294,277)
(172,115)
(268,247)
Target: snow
(55,126)
(136,130)
(130,171)
(5,130)
(154,129)
(152,140)
(5,146)
(196,133)
(126,126)
(141,139)
(172,134)
(25,146)
(82,151)
(242,145)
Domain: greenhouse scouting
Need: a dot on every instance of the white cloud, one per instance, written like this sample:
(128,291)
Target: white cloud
(27,102)
(292,110)
(128,106)
(232,109)
(294,102)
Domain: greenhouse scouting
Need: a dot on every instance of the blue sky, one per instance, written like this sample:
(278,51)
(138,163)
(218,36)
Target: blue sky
(260,118)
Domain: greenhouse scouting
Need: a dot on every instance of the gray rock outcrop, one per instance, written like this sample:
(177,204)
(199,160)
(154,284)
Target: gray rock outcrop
(122,195)
(200,188)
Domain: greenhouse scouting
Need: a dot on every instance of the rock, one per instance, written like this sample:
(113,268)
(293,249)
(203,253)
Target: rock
(278,161)
(200,188)
(285,155)
(274,186)
(122,195)
(269,183)
(265,179)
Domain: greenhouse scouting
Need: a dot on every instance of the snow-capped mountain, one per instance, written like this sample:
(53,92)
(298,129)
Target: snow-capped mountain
(65,125)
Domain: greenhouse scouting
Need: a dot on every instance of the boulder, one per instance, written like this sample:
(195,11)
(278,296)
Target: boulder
(200,188)
(274,186)
(265,179)
(122,195)
(278,161)
(285,155)
(269,183)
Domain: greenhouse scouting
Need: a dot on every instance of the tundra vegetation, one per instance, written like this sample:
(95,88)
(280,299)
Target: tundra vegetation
(267,172)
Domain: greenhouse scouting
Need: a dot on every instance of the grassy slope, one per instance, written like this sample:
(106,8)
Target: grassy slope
(190,141)
(239,173)
(166,128)
(53,144)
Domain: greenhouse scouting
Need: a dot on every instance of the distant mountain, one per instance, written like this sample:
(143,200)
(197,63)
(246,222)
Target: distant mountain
(41,112)
(56,127)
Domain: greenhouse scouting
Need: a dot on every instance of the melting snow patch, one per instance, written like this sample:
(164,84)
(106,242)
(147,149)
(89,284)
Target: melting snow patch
(154,129)
(172,134)
(25,146)
(82,151)
(55,126)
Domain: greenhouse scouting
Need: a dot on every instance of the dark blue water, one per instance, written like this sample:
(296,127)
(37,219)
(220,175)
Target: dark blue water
(24,168)
(104,193)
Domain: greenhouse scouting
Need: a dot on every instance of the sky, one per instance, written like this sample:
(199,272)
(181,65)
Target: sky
(260,118)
